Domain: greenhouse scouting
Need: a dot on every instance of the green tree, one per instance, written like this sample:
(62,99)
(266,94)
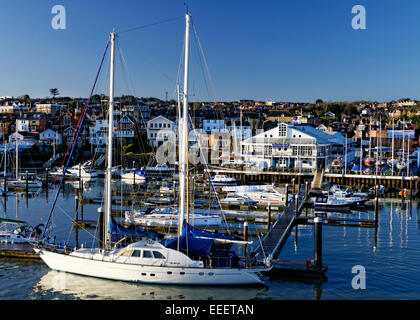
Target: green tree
(54,92)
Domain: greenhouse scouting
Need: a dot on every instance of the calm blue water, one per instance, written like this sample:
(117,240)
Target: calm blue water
(391,261)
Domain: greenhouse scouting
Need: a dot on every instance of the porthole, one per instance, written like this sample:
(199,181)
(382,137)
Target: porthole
(144,274)
(152,274)
(211,273)
(182,273)
(169,272)
(201,273)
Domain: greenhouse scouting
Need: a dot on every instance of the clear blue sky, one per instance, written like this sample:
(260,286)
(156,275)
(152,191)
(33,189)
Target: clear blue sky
(284,50)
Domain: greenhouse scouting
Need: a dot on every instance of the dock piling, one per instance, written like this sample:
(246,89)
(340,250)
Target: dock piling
(269,218)
(26,183)
(245,238)
(318,243)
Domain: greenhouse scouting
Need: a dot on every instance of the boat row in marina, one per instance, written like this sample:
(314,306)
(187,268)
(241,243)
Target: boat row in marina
(262,195)
(338,199)
(168,217)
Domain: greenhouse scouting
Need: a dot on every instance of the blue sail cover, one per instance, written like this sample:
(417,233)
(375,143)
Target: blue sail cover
(140,172)
(356,167)
(189,242)
(132,230)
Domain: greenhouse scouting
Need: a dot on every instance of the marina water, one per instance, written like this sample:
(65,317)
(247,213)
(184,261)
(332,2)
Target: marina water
(390,258)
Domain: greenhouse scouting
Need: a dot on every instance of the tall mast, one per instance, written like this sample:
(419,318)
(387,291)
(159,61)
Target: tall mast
(392,163)
(403,144)
(370,137)
(345,157)
(5,156)
(17,155)
(184,131)
(361,152)
(241,129)
(408,156)
(108,199)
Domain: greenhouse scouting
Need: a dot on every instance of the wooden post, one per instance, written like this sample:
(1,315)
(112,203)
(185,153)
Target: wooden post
(76,208)
(317,242)
(81,200)
(46,181)
(5,183)
(245,238)
(101,217)
(26,183)
(376,211)
(269,218)
(293,191)
(287,195)
(80,175)
(296,204)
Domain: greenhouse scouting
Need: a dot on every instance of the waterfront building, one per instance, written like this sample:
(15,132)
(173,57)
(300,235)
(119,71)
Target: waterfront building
(13,108)
(295,147)
(159,129)
(50,108)
(31,122)
(69,132)
(124,129)
(139,113)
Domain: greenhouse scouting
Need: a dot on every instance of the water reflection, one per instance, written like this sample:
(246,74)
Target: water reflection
(81,287)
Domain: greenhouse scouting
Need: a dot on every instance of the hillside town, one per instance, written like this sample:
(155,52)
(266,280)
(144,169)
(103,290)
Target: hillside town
(272,135)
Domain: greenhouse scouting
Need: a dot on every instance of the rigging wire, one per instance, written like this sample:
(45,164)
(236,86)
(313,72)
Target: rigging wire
(75,138)
(149,25)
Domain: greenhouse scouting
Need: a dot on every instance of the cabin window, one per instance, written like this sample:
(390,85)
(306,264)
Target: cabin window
(182,273)
(158,255)
(124,252)
(201,273)
(143,274)
(147,254)
(169,272)
(136,253)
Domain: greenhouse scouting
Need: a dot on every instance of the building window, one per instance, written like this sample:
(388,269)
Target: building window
(282,130)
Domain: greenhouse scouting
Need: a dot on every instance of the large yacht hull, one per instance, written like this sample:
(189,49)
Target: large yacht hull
(108,269)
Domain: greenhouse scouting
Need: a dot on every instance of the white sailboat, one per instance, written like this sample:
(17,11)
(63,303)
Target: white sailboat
(84,171)
(20,182)
(150,261)
(135,176)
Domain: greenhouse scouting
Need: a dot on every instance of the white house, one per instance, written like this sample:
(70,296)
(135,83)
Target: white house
(160,129)
(123,128)
(210,125)
(50,136)
(23,125)
(23,138)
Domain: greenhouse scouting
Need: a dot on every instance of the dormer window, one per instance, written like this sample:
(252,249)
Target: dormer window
(282,130)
